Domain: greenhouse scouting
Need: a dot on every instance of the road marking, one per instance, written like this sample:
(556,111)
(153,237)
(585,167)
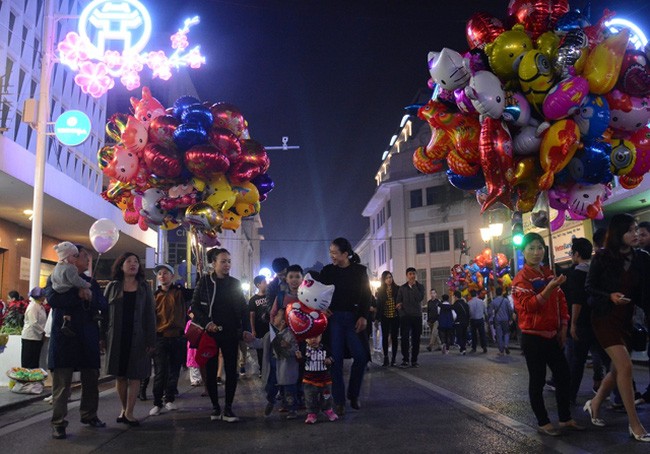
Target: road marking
(550,442)
(46,415)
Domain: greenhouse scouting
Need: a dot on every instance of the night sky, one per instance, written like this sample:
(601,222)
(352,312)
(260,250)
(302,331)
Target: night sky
(335,77)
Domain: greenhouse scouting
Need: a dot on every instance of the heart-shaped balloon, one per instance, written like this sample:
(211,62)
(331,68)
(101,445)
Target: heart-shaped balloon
(305,322)
(537,16)
(482,28)
(161,130)
(205,161)
(252,161)
(225,141)
(634,77)
(230,117)
(162,161)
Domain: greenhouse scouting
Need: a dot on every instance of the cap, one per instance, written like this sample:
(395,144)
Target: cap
(37,293)
(65,249)
(164,266)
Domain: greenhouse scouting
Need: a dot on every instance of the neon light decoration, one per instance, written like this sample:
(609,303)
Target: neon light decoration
(637,37)
(105,25)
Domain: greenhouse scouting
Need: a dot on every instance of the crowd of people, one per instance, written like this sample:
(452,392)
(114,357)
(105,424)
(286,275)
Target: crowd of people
(561,319)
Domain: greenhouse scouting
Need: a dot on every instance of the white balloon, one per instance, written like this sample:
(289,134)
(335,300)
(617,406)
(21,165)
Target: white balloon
(103,235)
(314,294)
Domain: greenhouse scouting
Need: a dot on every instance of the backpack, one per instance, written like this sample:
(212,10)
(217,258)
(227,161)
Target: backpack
(445,318)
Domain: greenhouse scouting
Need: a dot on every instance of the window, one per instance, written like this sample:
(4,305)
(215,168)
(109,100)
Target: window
(388,210)
(420,247)
(439,278)
(436,195)
(422,278)
(459,236)
(382,254)
(416,198)
(439,241)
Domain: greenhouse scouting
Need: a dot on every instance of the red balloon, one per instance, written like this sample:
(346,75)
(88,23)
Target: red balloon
(230,117)
(482,28)
(226,142)
(304,321)
(495,146)
(205,161)
(537,16)
(161,130)
(252,161)
(634,77)
(162,161)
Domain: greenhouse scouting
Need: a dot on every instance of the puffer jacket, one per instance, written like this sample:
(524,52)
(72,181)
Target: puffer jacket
(536,315)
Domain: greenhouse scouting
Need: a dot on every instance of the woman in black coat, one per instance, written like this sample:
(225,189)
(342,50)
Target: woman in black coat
(387,314)
(617,280)
(219,306)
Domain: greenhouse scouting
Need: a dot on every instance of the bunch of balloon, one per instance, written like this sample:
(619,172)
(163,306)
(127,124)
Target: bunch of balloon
(542,101)
(192,165)
(483,273)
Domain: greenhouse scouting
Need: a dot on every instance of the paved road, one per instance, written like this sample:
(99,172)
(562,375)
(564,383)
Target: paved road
(469,404)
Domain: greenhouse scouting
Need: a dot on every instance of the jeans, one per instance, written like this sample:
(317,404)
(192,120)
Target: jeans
(434,339)
(478,331)
(461,336)
(410,326)
(229,348)
(167,361)
(342,334)
(502,330)
(318,398)
(390,326)
(539,353)
(61,381)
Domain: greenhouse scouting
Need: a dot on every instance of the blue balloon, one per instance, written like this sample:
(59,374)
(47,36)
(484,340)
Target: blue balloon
(189,134)
(466,183)
(183,103)
(199,114)
(572,20)
(593,117)
(591,164)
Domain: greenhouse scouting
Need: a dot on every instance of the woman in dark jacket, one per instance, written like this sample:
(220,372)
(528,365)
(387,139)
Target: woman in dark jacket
(348,320)
(219,306)
(387,314)
(131,331)
(618,279)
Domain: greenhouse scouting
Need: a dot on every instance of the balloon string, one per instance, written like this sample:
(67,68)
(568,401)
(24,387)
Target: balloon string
(92,275)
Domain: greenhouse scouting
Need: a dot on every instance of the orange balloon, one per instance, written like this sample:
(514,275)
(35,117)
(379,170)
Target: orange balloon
(559,144)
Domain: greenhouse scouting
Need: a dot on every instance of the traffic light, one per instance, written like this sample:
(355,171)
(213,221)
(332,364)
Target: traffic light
(517,229)
(464,249)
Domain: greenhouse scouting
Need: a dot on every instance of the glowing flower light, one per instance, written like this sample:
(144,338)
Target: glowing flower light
(97,71)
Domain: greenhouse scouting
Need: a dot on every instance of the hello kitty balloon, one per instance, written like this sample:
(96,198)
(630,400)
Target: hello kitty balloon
(315,295)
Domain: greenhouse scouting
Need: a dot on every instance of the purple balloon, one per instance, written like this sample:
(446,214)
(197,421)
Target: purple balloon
(466,183)
(263,183)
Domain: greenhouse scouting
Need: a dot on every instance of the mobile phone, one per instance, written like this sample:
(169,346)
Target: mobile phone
(624,300)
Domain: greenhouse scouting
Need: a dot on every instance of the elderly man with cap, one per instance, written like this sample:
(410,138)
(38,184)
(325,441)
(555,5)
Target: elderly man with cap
(172,301)
(81,352)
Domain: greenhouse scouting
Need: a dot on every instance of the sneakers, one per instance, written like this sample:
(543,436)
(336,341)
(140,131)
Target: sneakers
(385,361)
(219,381)
(404,364)
(229,416)
(292,414)
(429,348)
(58,433)
(507,351)
(155,410)
(216,414)
(268,409)
(331,415)
(311,418)
(485,350)
(171,406)
(415,365)
(464,352)
(242,371)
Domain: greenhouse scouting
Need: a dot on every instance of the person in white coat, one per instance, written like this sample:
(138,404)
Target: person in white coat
(33,332)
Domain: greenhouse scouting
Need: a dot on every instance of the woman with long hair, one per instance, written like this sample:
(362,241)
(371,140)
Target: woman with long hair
(618,279)
(543,318)
(348,318)
(387,314)
(218,304)
(131,332)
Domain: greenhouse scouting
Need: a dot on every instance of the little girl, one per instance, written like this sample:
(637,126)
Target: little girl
(317,380)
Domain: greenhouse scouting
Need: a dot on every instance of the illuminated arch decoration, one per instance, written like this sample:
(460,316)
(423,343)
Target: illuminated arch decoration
(637,37)
(126,24)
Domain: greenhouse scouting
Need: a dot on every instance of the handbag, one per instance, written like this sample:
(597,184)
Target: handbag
(639,338)
(207,349)
(194,333)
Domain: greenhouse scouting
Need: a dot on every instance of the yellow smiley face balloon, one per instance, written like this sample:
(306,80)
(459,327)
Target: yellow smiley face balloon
(536,78)
(506,50)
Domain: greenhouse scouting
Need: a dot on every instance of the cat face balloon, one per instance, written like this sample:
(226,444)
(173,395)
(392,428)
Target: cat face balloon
(447,69)
(315,295)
